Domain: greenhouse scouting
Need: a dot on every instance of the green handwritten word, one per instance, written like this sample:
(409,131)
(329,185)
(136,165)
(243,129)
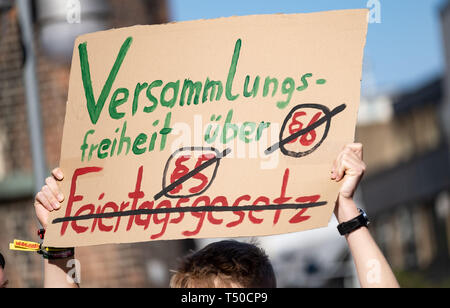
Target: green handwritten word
(247,132)
(122,144)
(182,92)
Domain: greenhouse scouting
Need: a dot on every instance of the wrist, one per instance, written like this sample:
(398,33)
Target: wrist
(51,253)
(57,253)
(346,209)
(345,198)
(62,263)
(354,224)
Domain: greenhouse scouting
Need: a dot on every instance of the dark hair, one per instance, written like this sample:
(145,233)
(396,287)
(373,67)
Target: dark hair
(225,264)
(2,261)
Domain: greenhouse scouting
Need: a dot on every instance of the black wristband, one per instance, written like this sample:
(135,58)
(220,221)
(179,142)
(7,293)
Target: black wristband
(57,253)
(354,224)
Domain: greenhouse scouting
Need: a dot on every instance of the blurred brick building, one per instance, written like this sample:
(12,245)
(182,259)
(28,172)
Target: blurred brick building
(407,187)
(128,265)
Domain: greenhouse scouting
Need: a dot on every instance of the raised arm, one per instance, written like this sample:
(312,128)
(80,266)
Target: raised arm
(57,272)
(373,269)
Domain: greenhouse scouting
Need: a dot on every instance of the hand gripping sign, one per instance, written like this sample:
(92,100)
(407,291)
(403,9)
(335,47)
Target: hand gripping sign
(213,128)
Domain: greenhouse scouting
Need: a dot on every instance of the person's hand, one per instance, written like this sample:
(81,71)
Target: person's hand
(348,168)
(49,198)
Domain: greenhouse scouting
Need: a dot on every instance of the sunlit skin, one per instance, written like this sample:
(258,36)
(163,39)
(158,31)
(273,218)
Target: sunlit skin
(3,280)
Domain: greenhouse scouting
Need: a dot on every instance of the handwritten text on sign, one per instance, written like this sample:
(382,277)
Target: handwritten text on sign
(207,129)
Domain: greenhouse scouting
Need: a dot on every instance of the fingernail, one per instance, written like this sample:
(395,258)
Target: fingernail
(60,197)
(56,205)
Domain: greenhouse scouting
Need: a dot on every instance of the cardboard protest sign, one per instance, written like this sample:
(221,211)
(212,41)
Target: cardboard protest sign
(213,128)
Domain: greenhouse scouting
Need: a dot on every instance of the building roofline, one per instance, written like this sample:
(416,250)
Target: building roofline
(429,93)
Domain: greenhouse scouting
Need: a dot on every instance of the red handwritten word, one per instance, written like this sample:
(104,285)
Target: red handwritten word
(181,170)
(157,224)
(308,138)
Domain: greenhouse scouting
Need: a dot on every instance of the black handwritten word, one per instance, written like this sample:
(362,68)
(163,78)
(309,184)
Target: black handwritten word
(182,173)
(328,115)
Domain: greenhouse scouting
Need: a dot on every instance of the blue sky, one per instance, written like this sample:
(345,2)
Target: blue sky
(402,52)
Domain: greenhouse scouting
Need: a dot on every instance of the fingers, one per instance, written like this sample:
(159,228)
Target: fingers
(50,196)
(41,200)
(336,166)
(356,148)
(47,199)
(349,165)
(349,161)
(51,183)
(58,174)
